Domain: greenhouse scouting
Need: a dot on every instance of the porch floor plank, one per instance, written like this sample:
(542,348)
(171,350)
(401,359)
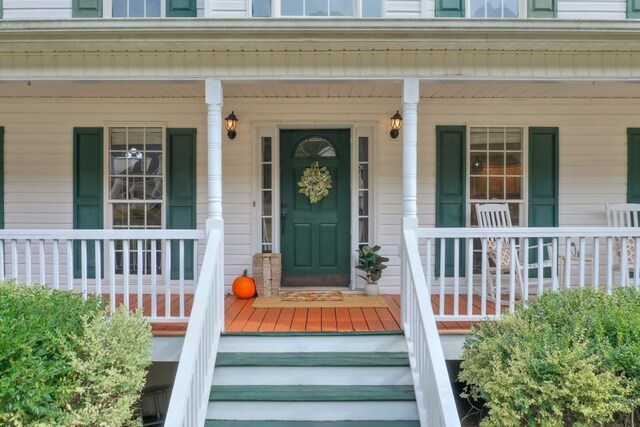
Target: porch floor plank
(240,316)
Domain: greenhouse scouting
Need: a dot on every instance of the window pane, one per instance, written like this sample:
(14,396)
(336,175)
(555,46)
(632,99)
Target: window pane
(364,176)
(153,163)
(496,188)
(513,163)
(153,190)
(363,228)
(496,139)
(478,188)
(136,215)
(118,189)
(514,139)
(154,215)
(315,8)
(514,211)
(266,176)
(514,188)
(119,8)
(153,8)
(510,8)
(478,139)
(363,149)
(136,8)
(118,137)
(261,8)
(341,7)
(135,139)
(496,164)
(494,9)
(477,9)
(478,163)
(266,150)
(266,230)
(120,214)
(136,188)
(363,203)
(266,203)
(371,8)
(292,8)
(153,139)
(314,146)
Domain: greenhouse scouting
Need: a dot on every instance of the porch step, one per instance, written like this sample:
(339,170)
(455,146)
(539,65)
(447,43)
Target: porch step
(341,380)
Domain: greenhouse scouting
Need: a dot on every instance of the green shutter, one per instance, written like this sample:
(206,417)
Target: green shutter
(181,193)
(87,9)
(181,8)
(633,9)
(451,196)
(1,176)
(87,191)
(543,9)
(1,9)
(633,165)
(450,8)
(543,184)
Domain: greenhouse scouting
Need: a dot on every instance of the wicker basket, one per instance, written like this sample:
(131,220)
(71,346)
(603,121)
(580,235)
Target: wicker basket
(267,272)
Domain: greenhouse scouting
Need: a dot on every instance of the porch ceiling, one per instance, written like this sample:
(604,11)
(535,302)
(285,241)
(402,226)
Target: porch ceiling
(384,89)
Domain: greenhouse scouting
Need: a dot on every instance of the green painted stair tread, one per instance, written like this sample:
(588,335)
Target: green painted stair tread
(312,359)
(312,393)
(275,423)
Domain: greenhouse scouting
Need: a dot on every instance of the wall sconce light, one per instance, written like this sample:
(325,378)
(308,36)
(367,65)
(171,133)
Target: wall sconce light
(476,165)
(230,123)
(396,124)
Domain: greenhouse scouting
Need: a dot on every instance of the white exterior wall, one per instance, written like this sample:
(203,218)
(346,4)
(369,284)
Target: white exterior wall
(51,9)
(592,9)
(408,8)
(38,156)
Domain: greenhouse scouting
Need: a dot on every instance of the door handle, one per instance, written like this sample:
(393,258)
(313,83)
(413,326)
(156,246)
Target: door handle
(283,217)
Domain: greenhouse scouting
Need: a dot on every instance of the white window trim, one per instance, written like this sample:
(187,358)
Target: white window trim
(276,11)
(525,170)
(362,129)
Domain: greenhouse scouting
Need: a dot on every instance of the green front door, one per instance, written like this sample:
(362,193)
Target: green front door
(315,237)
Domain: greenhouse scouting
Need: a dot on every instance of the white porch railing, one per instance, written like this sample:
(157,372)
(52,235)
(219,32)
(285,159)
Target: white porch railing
(128,267)
(468,284)
(434,396)
(190,394)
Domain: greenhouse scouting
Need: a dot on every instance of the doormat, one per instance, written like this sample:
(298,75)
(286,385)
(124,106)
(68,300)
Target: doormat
(313,296)
(348,301)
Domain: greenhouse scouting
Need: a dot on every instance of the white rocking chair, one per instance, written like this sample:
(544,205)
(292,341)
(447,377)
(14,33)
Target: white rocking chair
(498,216)
(624,215)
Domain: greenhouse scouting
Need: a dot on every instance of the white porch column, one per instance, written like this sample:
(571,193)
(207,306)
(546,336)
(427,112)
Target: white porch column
(410,99)
(213,98)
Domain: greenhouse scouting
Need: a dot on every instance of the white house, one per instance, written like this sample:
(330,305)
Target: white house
(117,166)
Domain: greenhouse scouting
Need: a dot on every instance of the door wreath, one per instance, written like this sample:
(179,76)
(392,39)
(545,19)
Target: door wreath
(315,182)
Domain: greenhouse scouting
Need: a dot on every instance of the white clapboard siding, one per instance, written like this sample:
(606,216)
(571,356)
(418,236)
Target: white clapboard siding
(38,156)
(403,8)
(36,9)
(592,9)
(230,8)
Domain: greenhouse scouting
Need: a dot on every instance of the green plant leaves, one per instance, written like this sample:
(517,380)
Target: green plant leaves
(371,263)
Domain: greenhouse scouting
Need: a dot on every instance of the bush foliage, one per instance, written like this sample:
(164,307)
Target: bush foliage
(64,361)
(567,358)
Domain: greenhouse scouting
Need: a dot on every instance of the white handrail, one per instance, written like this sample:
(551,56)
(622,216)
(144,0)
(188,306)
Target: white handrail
(190,394)
(436,403)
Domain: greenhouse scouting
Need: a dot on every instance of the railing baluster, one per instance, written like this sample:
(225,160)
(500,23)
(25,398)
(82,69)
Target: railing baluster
(167,278)
(112,275)
(2,260)
(97,244)
(84,267)
(70,266)
(27,261)
(14,259)
(624,267)
(429,272)
(469,274)
(581,267)
(483,281)
(540,269)
(181,276)
(596,263)
(636,263)
(498,287)
(443,276)
(456,277)
(567,262)
(513,271)
(609,265)
(56,263)
(42,260)
(525,270)
(554,264)
(126,266)
(154,278)
(140,270)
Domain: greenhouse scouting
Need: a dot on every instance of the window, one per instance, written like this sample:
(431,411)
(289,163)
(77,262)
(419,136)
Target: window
(363,190)
(267,196)
(317,8)
(136,191)
(495,169)
(314,146)
(137,8)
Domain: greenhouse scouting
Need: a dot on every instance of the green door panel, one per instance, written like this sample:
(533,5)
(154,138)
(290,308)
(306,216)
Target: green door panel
(181,194)
(543,185)
(88,201)
(451,196)
(633,166)
(315,238)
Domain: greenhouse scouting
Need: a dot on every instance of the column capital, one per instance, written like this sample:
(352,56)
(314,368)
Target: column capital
(213,91)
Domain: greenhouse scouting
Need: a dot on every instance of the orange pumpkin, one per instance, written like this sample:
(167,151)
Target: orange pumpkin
(243,286)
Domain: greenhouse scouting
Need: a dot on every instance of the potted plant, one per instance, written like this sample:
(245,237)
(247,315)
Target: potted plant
(372,264)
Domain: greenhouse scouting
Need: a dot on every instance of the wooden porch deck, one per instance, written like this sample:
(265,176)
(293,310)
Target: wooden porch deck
(241,317)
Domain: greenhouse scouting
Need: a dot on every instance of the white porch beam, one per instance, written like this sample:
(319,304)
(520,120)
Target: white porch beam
(410,99)
(214,100)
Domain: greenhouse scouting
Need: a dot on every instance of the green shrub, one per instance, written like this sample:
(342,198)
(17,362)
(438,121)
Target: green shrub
(568,358)
(63,361)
